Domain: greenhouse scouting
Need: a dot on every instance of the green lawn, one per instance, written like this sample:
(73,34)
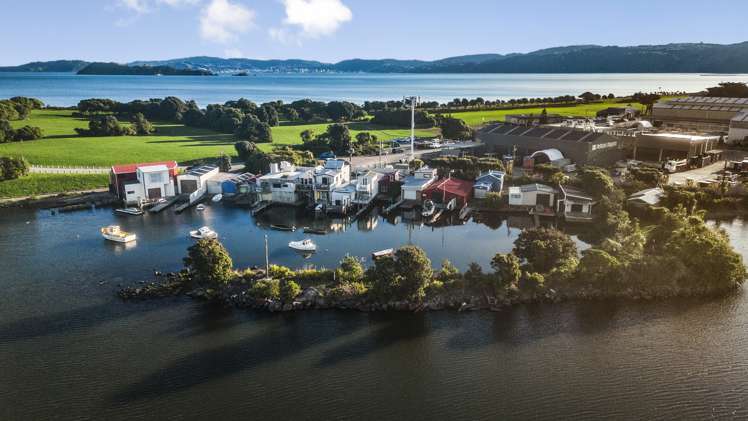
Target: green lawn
(476,118)
(62,146)
(38,184)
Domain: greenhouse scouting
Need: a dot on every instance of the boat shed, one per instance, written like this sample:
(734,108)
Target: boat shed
(231,186)
(196,179)
(446,189)
(583,147)
(127,174)
(492,181)
(532,195)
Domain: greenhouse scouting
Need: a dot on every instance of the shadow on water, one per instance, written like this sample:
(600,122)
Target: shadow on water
(530,323)
(393,328)
(289,337)
(71,320)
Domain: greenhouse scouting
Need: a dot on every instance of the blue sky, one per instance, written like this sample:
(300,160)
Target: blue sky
(331,30)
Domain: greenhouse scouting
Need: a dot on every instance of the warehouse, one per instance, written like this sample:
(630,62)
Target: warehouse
(580,146)
(659,146)
(705,114)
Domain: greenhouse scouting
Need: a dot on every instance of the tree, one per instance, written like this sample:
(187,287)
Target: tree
(456,129)
(648,100)
(27,133)
(306,136)
(544,116)
(245,149)
(349,270)
(532,282)
(474,276)
(12,168)
(727,89)
(599,268)
(142,126)
(209,263)
(341,110)
(402,276)
(289,290)
(587,96)
(544,248)
(254,130)
(448,274)
(507,271)
(106,125)
(224,163)
(340,138)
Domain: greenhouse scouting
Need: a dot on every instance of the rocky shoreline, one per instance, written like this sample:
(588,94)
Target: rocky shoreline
(320,298)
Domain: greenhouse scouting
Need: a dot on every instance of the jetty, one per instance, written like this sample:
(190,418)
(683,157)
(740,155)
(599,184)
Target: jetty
(163,205)
(394,206)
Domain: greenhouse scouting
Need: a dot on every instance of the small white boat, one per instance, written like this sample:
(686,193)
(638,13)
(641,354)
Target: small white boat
(428,208)
(303,245)
(382,253)
(114,233)
(203,233)
(130,211)
(200,207)
(217,198)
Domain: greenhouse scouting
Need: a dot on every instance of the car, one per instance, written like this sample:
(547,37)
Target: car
(398,150)
(327,155)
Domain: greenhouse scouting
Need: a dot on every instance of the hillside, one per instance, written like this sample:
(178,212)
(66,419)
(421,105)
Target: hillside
(670,58)
(122,69)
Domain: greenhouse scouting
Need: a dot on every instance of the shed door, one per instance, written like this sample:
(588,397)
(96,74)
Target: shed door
(187,186)
(543,199)
(154,193)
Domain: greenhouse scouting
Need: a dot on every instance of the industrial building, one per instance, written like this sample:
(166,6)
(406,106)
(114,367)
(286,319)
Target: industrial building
(658,146)
(704,114)
(580,146)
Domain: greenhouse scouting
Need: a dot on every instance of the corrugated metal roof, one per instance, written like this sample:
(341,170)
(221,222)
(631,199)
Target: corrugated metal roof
(131,168)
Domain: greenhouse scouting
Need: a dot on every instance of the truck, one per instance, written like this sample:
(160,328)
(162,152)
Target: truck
(674,165)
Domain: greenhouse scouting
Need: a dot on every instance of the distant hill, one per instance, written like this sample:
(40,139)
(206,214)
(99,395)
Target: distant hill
(123,69)
(47,66)
(670,58)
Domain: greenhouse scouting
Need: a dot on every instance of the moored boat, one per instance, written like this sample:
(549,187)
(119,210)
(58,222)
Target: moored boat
(429,207)
(129,211)
(283,227)
(217,198)
(382,253)
(200,207)
(114,233)
(203,233)
(306,245)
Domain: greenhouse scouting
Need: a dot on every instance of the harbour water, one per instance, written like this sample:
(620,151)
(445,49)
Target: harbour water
(66,89)
(71,350)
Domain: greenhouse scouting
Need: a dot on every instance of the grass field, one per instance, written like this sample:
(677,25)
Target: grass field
(62,146)
(476,118)
(38,184)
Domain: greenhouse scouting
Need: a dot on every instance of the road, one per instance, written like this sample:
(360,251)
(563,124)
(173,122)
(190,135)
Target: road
(374,161)
(699,174)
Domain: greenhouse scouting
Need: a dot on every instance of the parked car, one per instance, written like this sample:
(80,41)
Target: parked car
(327,155)
(398,150)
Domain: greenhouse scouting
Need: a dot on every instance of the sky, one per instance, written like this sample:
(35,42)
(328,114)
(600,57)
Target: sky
(333,30)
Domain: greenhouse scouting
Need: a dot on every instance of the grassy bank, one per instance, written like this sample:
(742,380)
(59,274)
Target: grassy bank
(39,184)
(476,118)
(62,146)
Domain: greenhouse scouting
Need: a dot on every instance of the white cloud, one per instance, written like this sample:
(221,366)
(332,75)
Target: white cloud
(233,53)
(147,6)
(284,36)
(221,21)
(316,18)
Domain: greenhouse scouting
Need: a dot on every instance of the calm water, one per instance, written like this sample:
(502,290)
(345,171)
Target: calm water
(71,350)
(65,89)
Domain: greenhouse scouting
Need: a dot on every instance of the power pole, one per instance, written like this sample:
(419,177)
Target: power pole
(267,259)
(413,101)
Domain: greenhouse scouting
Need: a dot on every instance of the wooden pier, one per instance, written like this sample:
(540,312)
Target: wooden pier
(163,205)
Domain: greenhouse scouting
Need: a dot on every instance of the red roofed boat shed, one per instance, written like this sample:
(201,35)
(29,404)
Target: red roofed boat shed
(446,189)
(128,173)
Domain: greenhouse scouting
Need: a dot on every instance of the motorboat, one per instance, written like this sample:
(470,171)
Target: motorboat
(382,253)
(303,245)
(114,233)
(217,198)
(429,207)
(130,211)
(200,207)
(203,233)
(283,227)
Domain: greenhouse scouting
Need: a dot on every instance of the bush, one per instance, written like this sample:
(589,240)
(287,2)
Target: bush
(209,263)
(544,248)
(348,290)
(27,133)
(12,168)
(266,289)
(105,126)
(289,290)
(142,126)
(350,270)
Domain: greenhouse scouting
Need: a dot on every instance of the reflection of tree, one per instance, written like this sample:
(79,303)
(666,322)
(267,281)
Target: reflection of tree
(491,220)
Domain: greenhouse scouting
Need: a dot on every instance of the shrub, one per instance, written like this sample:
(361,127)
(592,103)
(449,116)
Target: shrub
(289,290)
(209,263)
(12,168)
(27,133)
(266,289)
(544,248)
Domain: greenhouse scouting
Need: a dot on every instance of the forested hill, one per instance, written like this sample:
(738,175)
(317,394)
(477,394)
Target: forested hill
(122,69)
(671,58)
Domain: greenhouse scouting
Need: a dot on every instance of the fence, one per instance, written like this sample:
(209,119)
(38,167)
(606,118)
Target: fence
(59,169)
